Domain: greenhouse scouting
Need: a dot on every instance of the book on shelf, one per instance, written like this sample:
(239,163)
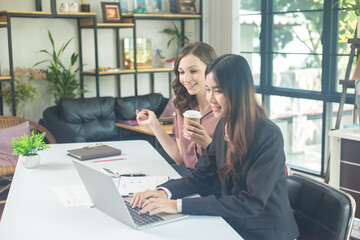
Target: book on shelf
(143,53)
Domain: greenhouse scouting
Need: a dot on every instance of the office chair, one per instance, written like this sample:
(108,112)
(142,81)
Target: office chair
(321,211)
(7,172)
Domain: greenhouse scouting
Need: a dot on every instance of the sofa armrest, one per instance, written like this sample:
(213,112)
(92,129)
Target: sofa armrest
(60,130)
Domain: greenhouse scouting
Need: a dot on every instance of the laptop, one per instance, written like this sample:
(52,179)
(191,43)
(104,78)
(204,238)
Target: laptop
(107,198)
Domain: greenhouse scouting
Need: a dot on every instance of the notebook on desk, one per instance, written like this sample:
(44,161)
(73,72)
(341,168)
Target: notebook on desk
(87,153)
(107,198)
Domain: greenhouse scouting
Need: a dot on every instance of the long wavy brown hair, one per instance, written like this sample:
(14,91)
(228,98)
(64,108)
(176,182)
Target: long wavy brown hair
(183,100)
(233,76)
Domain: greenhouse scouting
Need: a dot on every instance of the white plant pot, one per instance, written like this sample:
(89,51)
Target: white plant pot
(30,161)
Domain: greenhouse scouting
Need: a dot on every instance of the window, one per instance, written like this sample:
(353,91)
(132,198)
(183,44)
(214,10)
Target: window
(250,22)
(298,51)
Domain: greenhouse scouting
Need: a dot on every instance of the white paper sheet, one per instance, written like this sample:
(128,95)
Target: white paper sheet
(131,185)
(72,196)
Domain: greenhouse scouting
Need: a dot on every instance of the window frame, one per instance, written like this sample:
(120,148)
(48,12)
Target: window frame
(329,80)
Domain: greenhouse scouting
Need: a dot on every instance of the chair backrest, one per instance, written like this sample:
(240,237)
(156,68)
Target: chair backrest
(321,211)
(9,121)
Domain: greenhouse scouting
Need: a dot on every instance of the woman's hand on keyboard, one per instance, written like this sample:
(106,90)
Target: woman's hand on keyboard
(140,197)
(159,205)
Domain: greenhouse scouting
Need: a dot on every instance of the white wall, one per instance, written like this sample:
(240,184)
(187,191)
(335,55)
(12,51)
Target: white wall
(221,25)
(29,35)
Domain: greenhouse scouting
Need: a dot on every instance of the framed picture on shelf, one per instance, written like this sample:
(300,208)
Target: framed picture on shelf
(188,7)
(111,12)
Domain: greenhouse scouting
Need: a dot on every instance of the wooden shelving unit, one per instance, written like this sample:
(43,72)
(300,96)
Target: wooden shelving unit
(104,73)
(25,13)
(5,78)
(130,21)
(162,16)
(88,20)
(115,25)
(5,17)
(149,70)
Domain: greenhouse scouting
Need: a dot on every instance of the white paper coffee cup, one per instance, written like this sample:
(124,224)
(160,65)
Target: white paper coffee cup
(191,115)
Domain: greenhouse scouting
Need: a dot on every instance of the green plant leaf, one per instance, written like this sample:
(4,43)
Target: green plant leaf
(29,145)
(61,79)
(51,39)
(179,38)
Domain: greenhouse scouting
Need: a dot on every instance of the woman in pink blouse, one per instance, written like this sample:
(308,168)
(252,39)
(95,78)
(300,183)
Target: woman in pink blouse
(189,90)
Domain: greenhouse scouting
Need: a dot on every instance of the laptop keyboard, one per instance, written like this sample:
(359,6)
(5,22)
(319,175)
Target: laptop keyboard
(142,219)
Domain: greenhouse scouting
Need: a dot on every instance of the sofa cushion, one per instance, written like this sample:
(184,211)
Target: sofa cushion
(91,118)
(126,107)
(6,147)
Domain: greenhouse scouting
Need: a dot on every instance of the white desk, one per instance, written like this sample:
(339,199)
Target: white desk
(345,162)
(34,212)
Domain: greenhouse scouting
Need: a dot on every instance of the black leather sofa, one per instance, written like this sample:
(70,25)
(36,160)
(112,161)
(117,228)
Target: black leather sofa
(93,119)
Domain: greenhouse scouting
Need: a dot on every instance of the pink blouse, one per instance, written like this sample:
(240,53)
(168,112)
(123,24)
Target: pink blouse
(192,151)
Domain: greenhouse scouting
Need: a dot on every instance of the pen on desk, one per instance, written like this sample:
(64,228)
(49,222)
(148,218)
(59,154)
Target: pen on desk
(134,175)
(107,160)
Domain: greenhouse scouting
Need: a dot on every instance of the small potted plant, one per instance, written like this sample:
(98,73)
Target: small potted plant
(27,148)
(178,37)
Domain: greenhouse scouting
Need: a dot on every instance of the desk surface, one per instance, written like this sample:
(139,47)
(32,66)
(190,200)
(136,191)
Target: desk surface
(34,212)
(348,133)
(145,129)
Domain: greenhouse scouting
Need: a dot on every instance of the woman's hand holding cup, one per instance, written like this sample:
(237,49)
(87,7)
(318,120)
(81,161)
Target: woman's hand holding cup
(193,130)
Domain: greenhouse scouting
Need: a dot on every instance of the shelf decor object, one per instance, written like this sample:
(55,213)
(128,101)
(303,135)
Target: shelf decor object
(178,37)
(143,53)
(111,12)
(84,6)
(188,7)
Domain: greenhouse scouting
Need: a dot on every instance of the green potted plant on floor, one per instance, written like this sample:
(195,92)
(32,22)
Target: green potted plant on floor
(27,148)
(62,80)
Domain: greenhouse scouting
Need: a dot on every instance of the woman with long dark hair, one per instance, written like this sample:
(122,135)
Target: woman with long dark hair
(246,158)
(189,90)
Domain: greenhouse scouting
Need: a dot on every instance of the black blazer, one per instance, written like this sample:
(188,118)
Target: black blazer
(255,201)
